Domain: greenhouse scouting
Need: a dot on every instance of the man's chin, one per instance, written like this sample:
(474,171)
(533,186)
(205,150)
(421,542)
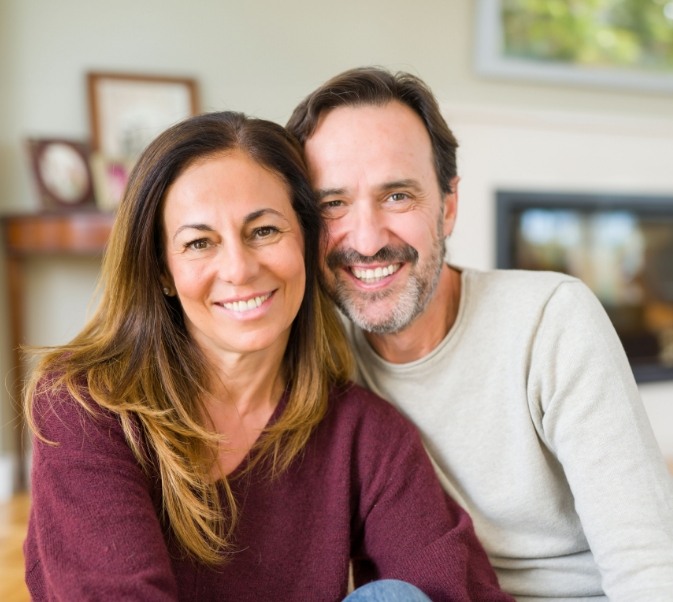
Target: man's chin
(370,320)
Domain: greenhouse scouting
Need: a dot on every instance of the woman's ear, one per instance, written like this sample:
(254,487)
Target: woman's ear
(451,207)
(167,287)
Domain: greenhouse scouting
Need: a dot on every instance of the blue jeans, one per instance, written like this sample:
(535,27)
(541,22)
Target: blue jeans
(387,590)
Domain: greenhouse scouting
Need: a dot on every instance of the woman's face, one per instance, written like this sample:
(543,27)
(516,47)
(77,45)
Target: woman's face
(235,254)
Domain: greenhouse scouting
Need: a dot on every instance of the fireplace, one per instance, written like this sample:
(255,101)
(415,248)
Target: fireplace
(620,245)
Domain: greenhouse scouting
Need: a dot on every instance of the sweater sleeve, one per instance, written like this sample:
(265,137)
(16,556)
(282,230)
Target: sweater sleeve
(94,532)
(410,528)
(591,417)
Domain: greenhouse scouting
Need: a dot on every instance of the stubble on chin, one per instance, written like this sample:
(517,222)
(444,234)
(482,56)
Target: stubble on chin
(386,311)
(389,310)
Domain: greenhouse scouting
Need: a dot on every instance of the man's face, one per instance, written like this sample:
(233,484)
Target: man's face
(373,169)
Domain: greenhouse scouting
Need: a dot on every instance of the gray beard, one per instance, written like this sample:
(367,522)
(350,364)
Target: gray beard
(412,301)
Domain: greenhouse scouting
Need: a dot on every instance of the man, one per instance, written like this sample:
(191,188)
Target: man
(517,380)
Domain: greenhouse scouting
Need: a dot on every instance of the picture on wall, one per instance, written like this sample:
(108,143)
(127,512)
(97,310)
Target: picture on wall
(127,111)
(615,43)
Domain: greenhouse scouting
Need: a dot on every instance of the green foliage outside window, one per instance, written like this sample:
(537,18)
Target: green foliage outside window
(594,33)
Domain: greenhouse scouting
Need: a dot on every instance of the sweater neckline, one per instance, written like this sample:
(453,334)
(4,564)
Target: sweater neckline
(365,349)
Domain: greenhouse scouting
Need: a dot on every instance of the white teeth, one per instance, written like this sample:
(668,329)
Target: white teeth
(368,275)
(243,306)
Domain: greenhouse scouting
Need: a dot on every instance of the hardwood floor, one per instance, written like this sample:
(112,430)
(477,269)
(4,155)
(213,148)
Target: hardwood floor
(13,521)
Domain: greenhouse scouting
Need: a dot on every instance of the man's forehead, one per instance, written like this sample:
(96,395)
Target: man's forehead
(386,127)
(341,116)
(372,138)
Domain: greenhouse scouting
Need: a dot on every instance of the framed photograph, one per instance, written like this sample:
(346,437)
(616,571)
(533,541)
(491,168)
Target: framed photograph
(127,111)
(606,43)
(110,177)
(61,172)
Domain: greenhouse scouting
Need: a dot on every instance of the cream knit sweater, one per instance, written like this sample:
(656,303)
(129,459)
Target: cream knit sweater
(532,416)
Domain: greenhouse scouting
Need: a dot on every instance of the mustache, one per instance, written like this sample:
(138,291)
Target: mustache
(344,257)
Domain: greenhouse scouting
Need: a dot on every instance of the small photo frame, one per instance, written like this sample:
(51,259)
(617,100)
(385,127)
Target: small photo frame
(61,172)
(127,111)
(110,176)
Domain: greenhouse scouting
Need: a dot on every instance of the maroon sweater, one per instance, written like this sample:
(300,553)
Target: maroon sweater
(363,489)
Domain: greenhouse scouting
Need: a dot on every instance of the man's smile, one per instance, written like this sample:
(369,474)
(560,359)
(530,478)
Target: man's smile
(371,275)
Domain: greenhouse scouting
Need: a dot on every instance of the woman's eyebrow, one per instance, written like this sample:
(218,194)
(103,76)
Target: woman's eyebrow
(200,227)
(251,217)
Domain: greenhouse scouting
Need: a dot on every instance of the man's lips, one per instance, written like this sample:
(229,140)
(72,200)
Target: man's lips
(370,275)
(373,269)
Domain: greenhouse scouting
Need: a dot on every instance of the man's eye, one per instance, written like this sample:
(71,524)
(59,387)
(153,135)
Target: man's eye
(333,209)
(332,204)
(399,196)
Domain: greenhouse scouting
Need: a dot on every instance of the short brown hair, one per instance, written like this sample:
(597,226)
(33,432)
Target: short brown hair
(376,86)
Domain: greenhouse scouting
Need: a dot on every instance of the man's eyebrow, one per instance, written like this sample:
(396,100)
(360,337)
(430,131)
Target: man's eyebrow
(321,193)
(395,184)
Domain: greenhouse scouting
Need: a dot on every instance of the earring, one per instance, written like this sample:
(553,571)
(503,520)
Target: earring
(166,291)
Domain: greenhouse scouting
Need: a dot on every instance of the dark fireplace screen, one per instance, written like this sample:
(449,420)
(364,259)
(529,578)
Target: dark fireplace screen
(620,245)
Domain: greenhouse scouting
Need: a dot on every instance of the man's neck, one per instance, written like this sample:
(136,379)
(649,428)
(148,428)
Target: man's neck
(428,329)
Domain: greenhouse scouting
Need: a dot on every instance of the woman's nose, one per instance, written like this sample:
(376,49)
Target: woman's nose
(238,263)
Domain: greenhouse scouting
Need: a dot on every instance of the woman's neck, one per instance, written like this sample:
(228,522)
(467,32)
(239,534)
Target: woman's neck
(244,394)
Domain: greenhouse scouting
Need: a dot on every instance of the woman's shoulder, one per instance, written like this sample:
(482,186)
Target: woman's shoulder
(68,416)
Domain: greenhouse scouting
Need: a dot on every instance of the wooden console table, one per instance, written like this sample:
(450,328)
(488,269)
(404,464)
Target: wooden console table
(70,234)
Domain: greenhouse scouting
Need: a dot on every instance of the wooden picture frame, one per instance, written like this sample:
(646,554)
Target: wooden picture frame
(110,177)
(62,173)
(127,111)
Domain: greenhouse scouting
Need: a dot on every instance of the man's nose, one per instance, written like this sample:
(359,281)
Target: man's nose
(366,229)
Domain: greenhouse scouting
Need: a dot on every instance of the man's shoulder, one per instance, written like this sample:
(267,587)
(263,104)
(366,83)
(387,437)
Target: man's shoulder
(516,279)
(513,289)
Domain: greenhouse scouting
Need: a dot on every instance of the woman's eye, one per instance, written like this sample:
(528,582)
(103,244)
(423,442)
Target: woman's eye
(265,231)
(198,245)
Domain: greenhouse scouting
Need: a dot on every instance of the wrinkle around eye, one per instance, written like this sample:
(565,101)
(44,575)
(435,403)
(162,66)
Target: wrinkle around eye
(197,246)
(405,203)
(266,234)
(333,208)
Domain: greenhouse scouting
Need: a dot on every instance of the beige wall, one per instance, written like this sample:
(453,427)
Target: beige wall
(262,57)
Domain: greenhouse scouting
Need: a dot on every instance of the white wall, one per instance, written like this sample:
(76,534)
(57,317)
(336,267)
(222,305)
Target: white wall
(262,57)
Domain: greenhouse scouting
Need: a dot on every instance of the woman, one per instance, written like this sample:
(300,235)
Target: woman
(199,438)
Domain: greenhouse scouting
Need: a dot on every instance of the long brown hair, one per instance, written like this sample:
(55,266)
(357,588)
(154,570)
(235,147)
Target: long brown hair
(136,358)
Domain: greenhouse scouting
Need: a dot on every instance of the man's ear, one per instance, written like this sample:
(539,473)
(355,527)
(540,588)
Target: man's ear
(451,207)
